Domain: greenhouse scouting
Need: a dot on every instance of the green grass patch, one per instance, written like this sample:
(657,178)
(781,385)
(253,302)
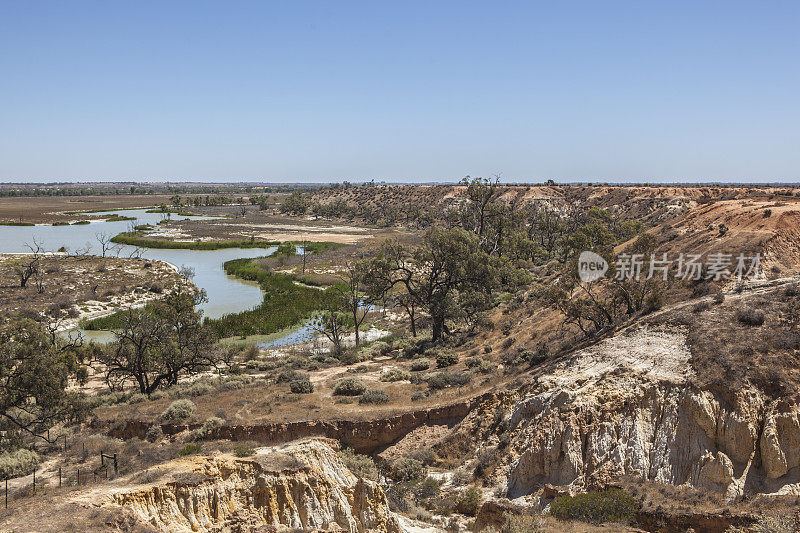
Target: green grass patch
(88,211)
(179,212)
(112,321)
(318,247)
(61,223)
(612,505)
(134,239)
(285,304)
(81,223)
(190,449)
(119,218)
(17,224)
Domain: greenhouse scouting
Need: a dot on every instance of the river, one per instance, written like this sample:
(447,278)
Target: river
(226,294)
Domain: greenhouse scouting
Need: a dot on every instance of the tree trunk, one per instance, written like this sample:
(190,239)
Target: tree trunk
(437,327)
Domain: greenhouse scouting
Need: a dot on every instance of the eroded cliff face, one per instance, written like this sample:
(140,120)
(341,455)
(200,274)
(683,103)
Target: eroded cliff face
(625,408)
(301,485)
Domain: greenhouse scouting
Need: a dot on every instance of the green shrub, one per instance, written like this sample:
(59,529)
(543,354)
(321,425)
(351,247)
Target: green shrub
(423,455)
(154,433)
(612,505)
(420,364)
(374,397)
(349,387)
(438,380)
(190,449)
(469,501)
(178,411)
(208,427)
(287,375)
(199,388)
(301,385)
(362,466)
(474,362)
(427,488)
(408,469)
(395,374)
(16,463)
(446,359)
(459,379)
(377,348)
(243,450)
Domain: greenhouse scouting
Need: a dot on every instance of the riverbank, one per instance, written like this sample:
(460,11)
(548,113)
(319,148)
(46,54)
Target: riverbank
(133,239)
(68,289)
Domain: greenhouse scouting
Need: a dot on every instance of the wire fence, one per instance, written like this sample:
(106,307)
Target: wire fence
(81,475)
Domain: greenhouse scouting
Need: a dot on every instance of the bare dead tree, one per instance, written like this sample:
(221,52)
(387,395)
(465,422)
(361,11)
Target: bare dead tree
(26,267)
(80,253)
(106,246)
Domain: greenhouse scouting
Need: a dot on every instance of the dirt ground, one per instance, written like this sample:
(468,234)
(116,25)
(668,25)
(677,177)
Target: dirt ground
(50,209)
(260,225)
(82,287)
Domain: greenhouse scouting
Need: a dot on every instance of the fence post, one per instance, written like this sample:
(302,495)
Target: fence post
(6,493)
(79,477)
(59,477)
(116,471)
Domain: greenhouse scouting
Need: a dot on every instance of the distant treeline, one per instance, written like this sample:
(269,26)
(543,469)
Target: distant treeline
(17,190)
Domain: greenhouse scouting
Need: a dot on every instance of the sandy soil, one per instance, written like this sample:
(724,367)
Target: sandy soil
(84,287)
(657,355)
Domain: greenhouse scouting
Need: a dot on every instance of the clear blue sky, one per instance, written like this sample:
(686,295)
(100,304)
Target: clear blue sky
(399,91)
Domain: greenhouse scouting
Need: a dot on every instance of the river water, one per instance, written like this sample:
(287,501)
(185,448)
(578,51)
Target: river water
(226,294)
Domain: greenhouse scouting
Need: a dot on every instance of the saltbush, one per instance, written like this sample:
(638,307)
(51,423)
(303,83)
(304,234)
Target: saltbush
(612,505)
(287,375)
(374,396)
(362,466)
(438,380)
(16,463)
(178,411)
(301,385)
(154,433)
(243,450)
(190,449)
(427,488)
(408,469)
(446,359)
(469,502)
(395,374)
(208,427)
(349,387)
(473,362)
(420,364)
